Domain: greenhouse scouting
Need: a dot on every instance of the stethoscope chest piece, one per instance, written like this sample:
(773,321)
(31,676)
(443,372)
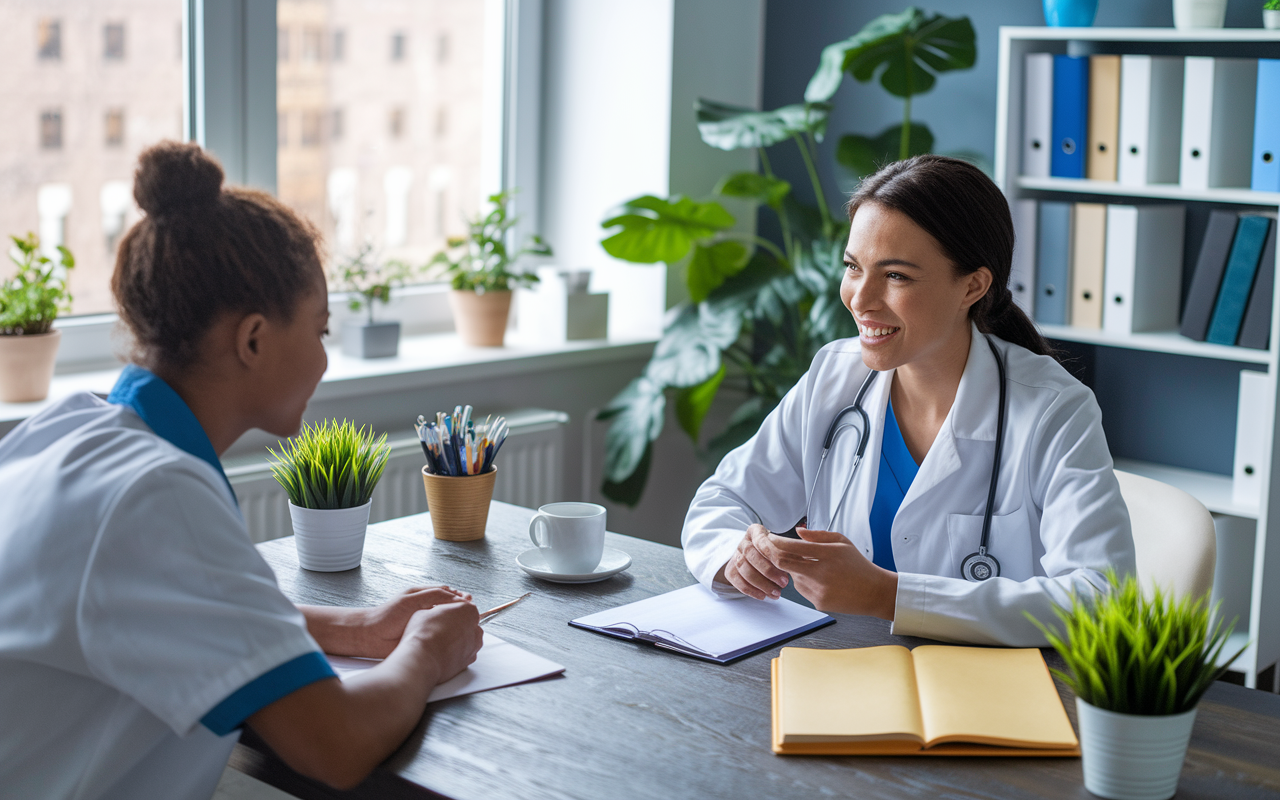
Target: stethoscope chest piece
(979,566)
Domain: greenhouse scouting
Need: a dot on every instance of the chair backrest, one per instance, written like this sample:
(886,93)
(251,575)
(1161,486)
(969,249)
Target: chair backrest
(1173,536)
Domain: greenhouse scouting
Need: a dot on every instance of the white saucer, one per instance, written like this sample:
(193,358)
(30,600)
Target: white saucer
(611,563)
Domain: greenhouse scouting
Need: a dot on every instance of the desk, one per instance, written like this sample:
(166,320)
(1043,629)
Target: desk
(631,721)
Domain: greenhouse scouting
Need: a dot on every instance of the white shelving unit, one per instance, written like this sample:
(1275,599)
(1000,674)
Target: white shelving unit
(1214,490)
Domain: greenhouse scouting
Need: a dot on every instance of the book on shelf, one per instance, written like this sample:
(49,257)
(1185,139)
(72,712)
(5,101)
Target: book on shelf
(1088,260)
(1255,331)
(1037,114)
(1053,263)
(1238,278)
(1143,275)
(1070,116)
(928,701)
(1219,95)
(1265,176)
(1150,119)
(1104,117)
(1211,263)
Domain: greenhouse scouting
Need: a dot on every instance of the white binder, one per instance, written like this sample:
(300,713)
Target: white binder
(1037,115)
(1150,119)
(1022,275)
(1143,275)
(1219,95)
(1253,431)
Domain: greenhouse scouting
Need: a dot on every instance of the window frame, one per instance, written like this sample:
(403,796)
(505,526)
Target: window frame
(228,45)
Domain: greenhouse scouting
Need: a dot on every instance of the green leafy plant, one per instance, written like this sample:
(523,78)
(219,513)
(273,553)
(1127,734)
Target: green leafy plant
(1271,5)
(331,465)
(33,297)
(367,280)
(481,261)
(758,311)
(907,51)
(1138,654)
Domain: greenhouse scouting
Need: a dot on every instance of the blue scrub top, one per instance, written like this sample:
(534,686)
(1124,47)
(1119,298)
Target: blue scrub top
(897,470)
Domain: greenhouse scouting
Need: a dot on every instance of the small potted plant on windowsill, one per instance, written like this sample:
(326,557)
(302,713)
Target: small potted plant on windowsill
(329,471)
(1271,15)
(482,276)
(30,301)
(1138,664)
(366,280)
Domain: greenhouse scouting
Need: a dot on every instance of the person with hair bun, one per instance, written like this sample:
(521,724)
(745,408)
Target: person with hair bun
(140,629)
(941,470)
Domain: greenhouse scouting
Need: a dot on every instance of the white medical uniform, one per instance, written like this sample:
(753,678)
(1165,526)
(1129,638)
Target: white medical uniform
(1059,521)
(132,604)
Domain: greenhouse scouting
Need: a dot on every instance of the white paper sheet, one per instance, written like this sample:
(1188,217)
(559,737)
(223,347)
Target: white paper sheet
(499,663)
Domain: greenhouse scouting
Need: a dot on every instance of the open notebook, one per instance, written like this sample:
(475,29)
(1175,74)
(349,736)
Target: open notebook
(934,700)
(695,622)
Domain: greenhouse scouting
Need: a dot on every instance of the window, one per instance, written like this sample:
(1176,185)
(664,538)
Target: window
(335,124)
(113,129)
(113,41)
(338,49)
(312,44)
(442,122)
(282,129)
(51,129)
(442,48)
(311,126)
(49,39)
(282,44)
(397,46)
(395,123)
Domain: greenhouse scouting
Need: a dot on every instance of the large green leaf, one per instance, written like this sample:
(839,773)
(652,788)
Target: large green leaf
(737,294)
(711,265)
(862,155)
(629,490)
(656,230)
(743,424)
(733,127)
(911,47)
(637,413)
(693,403)
(689,351)
(754,186)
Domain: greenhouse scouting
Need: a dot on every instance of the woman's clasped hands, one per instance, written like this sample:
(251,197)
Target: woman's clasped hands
(828,570)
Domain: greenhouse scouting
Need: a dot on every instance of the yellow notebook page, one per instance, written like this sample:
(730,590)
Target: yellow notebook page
(990,696)
(847,695)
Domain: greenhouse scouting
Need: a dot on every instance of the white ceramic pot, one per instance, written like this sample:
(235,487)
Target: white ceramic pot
(1199,13)
(329,540)
(1131,757)
(1271,19)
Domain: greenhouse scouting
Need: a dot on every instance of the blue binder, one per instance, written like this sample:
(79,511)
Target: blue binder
(1053,265)
(1266,128)
(1242,268)
(1070,116)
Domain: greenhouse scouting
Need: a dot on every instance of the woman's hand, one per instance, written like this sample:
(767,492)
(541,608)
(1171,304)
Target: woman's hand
(450,633)
(750,571)
(373,632)
(833,574)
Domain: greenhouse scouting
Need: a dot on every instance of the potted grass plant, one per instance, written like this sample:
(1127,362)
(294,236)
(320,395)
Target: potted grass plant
(1271,15)
(1138,664)
(329,471)
(30,301)
(368,280)
(480,268)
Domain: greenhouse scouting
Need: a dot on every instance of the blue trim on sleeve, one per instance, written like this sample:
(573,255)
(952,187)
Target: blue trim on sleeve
(898,470)
(265,689)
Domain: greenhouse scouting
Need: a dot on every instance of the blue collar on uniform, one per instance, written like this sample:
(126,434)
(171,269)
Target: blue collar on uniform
(166,413)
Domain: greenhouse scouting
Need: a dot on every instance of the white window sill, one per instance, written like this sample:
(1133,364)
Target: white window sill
(423,361)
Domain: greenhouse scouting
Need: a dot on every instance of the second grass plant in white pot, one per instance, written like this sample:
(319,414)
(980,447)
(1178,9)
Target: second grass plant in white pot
(329,471)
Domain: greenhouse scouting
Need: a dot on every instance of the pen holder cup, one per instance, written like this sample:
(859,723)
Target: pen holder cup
(459,506)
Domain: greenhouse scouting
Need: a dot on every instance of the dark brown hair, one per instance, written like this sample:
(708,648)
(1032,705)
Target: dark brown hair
(968,215)
(203,251)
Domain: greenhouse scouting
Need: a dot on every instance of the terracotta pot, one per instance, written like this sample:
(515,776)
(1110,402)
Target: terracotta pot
(481,319)
(459,506)
(26,366)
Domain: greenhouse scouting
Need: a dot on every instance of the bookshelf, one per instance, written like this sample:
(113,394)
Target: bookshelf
(1167,351)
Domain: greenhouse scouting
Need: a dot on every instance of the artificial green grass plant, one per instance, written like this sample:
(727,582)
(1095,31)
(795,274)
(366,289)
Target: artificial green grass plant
(331,465)
(1136,654)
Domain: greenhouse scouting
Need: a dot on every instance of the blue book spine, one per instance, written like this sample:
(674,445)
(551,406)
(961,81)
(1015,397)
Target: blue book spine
(1053,267)
(1242,268)
(1070,116)
(1266,128)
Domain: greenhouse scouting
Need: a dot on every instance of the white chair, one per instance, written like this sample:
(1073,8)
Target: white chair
(1173,536)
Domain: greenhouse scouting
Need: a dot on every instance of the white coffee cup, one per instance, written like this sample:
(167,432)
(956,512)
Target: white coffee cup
(570,536)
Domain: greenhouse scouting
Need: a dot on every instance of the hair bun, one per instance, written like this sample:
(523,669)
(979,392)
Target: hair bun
(174,177)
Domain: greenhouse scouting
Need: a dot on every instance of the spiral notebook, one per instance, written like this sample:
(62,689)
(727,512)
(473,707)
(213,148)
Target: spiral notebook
(694,621)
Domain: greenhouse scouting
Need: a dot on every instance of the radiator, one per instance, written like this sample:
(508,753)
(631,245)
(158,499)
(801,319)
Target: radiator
(530,474)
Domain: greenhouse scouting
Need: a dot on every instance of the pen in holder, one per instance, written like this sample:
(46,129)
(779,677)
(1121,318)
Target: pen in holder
(459,474)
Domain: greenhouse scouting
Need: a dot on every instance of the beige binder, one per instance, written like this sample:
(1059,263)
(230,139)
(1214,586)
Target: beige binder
(1104,118)
(1088,254)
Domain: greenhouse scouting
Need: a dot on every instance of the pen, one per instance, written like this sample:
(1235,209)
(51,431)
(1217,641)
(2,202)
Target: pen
(496,610)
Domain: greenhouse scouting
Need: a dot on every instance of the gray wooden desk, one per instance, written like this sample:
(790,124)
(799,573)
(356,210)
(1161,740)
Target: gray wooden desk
(630,721)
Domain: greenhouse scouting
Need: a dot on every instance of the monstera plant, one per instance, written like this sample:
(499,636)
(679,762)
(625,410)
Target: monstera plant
(758,311)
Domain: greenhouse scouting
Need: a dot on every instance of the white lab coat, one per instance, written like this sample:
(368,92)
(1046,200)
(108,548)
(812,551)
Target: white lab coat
(1059,519)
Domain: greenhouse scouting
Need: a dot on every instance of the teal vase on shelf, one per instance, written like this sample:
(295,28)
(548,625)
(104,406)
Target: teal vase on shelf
(1070,13)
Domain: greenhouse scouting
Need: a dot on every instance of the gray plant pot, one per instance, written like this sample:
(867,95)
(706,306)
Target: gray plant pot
(370,339)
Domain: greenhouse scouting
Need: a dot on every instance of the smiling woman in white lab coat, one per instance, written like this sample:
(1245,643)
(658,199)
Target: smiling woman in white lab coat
(926,278)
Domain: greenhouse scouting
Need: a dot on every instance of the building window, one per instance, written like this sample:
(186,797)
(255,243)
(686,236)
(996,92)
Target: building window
(442,122)
(113,41)
(313,45)
(398,46)
(442,48)
(282,129)
(114,127)
(282,44)
(311,126)
(49,39)
(395,125)
(335,124)
(51,129)
(339,51)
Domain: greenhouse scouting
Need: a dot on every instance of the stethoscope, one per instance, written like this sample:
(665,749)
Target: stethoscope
(977,566)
